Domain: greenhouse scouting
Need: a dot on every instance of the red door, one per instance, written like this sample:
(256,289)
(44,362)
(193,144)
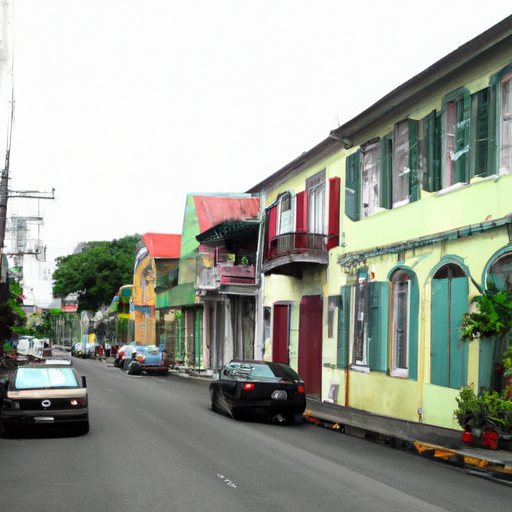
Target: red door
(310,343)
(281,334)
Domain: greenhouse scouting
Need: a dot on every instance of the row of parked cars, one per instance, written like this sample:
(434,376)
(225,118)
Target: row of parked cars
(136,358)
(91,349)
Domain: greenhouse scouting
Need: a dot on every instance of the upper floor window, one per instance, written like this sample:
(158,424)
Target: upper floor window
(455,138)
(405,161)
(370,178)
(506,126)
(315,188)
(286,219)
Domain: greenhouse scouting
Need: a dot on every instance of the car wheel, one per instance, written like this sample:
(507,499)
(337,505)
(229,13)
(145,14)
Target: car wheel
(5,431)
(83,428)
(236,413)
(214,397)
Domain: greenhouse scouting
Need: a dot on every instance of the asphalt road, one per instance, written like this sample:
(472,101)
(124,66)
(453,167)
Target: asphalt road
(154,444)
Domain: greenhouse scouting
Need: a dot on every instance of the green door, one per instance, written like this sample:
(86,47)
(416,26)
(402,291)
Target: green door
(449,356)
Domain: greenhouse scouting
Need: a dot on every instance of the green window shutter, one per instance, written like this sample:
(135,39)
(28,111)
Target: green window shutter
(344,328)
(414,150)
(439,328)
(481,133)
(459,305)
(378,325)
(429,137)
(353,186)
(386,169)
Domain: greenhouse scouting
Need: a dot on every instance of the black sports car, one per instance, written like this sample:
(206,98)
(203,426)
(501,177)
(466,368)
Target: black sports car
(244,387)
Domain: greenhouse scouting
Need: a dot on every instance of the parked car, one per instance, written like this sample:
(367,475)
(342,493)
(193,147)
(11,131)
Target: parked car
(151,359)
(76,349)
(244,387)
(43,393)
(124,353)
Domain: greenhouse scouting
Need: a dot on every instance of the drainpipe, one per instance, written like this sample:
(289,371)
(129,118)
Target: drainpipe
(347,385)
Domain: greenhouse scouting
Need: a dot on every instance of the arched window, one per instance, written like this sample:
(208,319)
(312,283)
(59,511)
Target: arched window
(499,274)
(401,282)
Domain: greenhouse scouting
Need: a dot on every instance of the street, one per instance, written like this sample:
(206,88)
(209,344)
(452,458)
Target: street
(155,444)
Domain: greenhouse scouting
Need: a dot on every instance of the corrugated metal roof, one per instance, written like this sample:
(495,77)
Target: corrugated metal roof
(162,245)
(212,210)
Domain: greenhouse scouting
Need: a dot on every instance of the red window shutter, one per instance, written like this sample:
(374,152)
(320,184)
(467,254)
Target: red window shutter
(301,220)
(334,213)
(271,228)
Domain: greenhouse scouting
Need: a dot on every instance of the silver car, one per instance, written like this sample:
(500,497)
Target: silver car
(41,394)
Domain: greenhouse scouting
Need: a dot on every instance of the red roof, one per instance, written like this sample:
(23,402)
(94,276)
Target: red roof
(213,210)
(162,245)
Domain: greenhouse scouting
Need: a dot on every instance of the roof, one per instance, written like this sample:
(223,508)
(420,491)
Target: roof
(162,245)
(404,95)
(214,210)
(417,86)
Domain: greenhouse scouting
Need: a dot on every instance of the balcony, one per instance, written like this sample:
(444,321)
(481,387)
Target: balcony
(291,252)
(216,277)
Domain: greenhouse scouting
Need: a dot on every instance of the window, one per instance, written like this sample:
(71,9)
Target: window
(360,347)
(364,313)
(405,162)
(315,187)
(455,138)
(41,378)
(383,173)
(370,177)
(428,164)
(286,213)
(400,318)
(506,126)
(499,275)
(483,133)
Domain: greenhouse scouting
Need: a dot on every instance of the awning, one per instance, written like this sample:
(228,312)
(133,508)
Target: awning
(232,230)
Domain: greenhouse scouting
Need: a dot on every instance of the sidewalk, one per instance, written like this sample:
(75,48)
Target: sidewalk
(426,440)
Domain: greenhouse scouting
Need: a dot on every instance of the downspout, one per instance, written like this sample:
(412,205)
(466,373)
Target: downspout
(259,341)
(347,386)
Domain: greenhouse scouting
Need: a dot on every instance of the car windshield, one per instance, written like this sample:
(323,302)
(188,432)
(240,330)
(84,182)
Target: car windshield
(41,378)
(261,371)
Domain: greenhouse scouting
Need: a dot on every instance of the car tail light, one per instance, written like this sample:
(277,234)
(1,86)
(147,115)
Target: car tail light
(247,386)
(301,389)
(78,402)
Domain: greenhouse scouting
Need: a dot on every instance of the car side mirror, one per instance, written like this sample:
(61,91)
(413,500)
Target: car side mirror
(84,381)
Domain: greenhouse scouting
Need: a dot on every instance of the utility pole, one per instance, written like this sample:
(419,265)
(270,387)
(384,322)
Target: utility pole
(6,107)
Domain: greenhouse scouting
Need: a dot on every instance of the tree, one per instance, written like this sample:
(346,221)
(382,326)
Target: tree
(96,273)
(11,314)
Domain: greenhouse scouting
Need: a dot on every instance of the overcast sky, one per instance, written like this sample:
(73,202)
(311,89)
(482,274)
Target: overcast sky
(125,106)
